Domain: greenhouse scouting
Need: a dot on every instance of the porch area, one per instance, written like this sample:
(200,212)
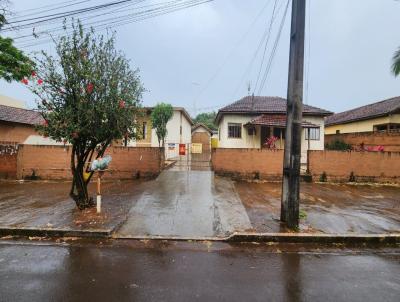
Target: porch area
(270,132)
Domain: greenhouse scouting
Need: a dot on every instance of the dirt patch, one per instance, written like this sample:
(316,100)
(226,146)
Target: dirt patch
(326,208)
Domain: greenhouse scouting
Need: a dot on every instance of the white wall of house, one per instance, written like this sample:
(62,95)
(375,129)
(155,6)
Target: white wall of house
(246,141)
(174,135)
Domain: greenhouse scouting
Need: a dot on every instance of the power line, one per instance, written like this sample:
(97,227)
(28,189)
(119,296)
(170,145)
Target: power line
(266,45)
(75,2)
(272,56)
(254,57)
(62,15)
(132,18)
(46,6)
(233,49)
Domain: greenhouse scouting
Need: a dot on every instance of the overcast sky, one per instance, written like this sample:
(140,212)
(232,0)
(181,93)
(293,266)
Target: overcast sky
(197,58)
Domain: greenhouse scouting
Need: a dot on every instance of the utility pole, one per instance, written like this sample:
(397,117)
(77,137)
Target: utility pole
(292,154)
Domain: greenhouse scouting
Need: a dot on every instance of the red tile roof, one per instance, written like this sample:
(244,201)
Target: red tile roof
(277,121)
(378,109)
(19,115)
(266,104)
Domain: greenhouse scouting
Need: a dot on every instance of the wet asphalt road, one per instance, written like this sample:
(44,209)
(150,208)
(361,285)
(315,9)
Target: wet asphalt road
(171,271)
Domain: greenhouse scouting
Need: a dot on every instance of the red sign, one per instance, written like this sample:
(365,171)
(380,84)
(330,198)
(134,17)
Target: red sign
(182,149)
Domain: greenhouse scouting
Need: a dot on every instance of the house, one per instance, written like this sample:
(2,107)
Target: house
(380,116)
(179,131)
(201,134)
(17,124)
(252,120)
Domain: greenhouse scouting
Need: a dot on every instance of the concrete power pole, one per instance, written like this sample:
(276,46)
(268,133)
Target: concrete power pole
(292,153)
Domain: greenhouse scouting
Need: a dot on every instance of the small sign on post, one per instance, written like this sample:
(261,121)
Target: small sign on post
(98,200)
(100,165)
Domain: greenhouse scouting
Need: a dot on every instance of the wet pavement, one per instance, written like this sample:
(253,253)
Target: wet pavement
(46,205)
(188,201)
(327,208)
(186,204)
(170,271)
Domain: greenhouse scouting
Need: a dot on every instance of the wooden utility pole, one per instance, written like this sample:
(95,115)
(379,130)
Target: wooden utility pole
(292,153)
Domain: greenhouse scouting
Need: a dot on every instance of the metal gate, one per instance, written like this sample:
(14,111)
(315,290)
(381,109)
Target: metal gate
(194,157)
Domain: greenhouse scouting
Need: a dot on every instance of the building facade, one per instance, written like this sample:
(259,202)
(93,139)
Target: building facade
(376,117)
(260,122)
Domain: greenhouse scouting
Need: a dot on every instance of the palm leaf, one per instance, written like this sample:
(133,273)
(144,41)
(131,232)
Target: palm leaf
(396,63)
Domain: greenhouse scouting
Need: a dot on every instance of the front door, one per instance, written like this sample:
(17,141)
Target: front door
(265,133)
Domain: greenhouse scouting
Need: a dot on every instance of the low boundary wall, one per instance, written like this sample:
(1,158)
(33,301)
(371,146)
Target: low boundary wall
(365,166)
(248,163)
(53,162)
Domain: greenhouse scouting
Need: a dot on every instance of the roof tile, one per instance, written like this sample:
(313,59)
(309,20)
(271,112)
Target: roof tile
(19,115)
(369,111)
(267,104)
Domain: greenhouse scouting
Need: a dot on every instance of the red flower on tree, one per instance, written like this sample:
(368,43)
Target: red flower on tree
(33,73)
(121,104)
(25,81)
(40,81)
(89,88)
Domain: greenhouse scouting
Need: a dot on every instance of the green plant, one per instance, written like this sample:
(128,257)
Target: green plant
(160,116)
(323,177)
(396,63)
(302,214)
(208,119)
(338,145)
(89,97)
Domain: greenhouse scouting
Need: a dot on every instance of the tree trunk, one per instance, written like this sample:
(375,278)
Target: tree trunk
(79,189)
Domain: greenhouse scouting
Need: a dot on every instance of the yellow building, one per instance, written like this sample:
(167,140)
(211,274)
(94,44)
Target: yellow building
(380,116)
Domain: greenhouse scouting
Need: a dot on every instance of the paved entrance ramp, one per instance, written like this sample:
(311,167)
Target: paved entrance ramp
(187,205)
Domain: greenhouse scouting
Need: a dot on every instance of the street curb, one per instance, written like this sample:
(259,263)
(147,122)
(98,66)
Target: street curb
(235,237)
(29,232)
(315,238)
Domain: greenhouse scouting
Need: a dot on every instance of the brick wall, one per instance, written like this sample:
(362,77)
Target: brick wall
(53,162)
(366,166)
(248,163)
(390,141)
(8,160)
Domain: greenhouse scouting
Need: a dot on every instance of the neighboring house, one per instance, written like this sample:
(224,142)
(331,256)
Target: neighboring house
(201,134)
(179,129)
(251,121)
(380,116)
(17,124)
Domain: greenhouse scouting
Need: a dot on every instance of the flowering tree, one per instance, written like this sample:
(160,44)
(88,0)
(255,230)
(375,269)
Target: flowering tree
(89,96)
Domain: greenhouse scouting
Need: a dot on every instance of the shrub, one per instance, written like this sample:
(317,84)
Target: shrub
(338,145)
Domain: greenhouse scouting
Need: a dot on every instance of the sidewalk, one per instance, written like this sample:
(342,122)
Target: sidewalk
(326,208)
(45,209)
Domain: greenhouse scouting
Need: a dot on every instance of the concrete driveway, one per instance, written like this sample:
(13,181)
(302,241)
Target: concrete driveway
(186,204)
